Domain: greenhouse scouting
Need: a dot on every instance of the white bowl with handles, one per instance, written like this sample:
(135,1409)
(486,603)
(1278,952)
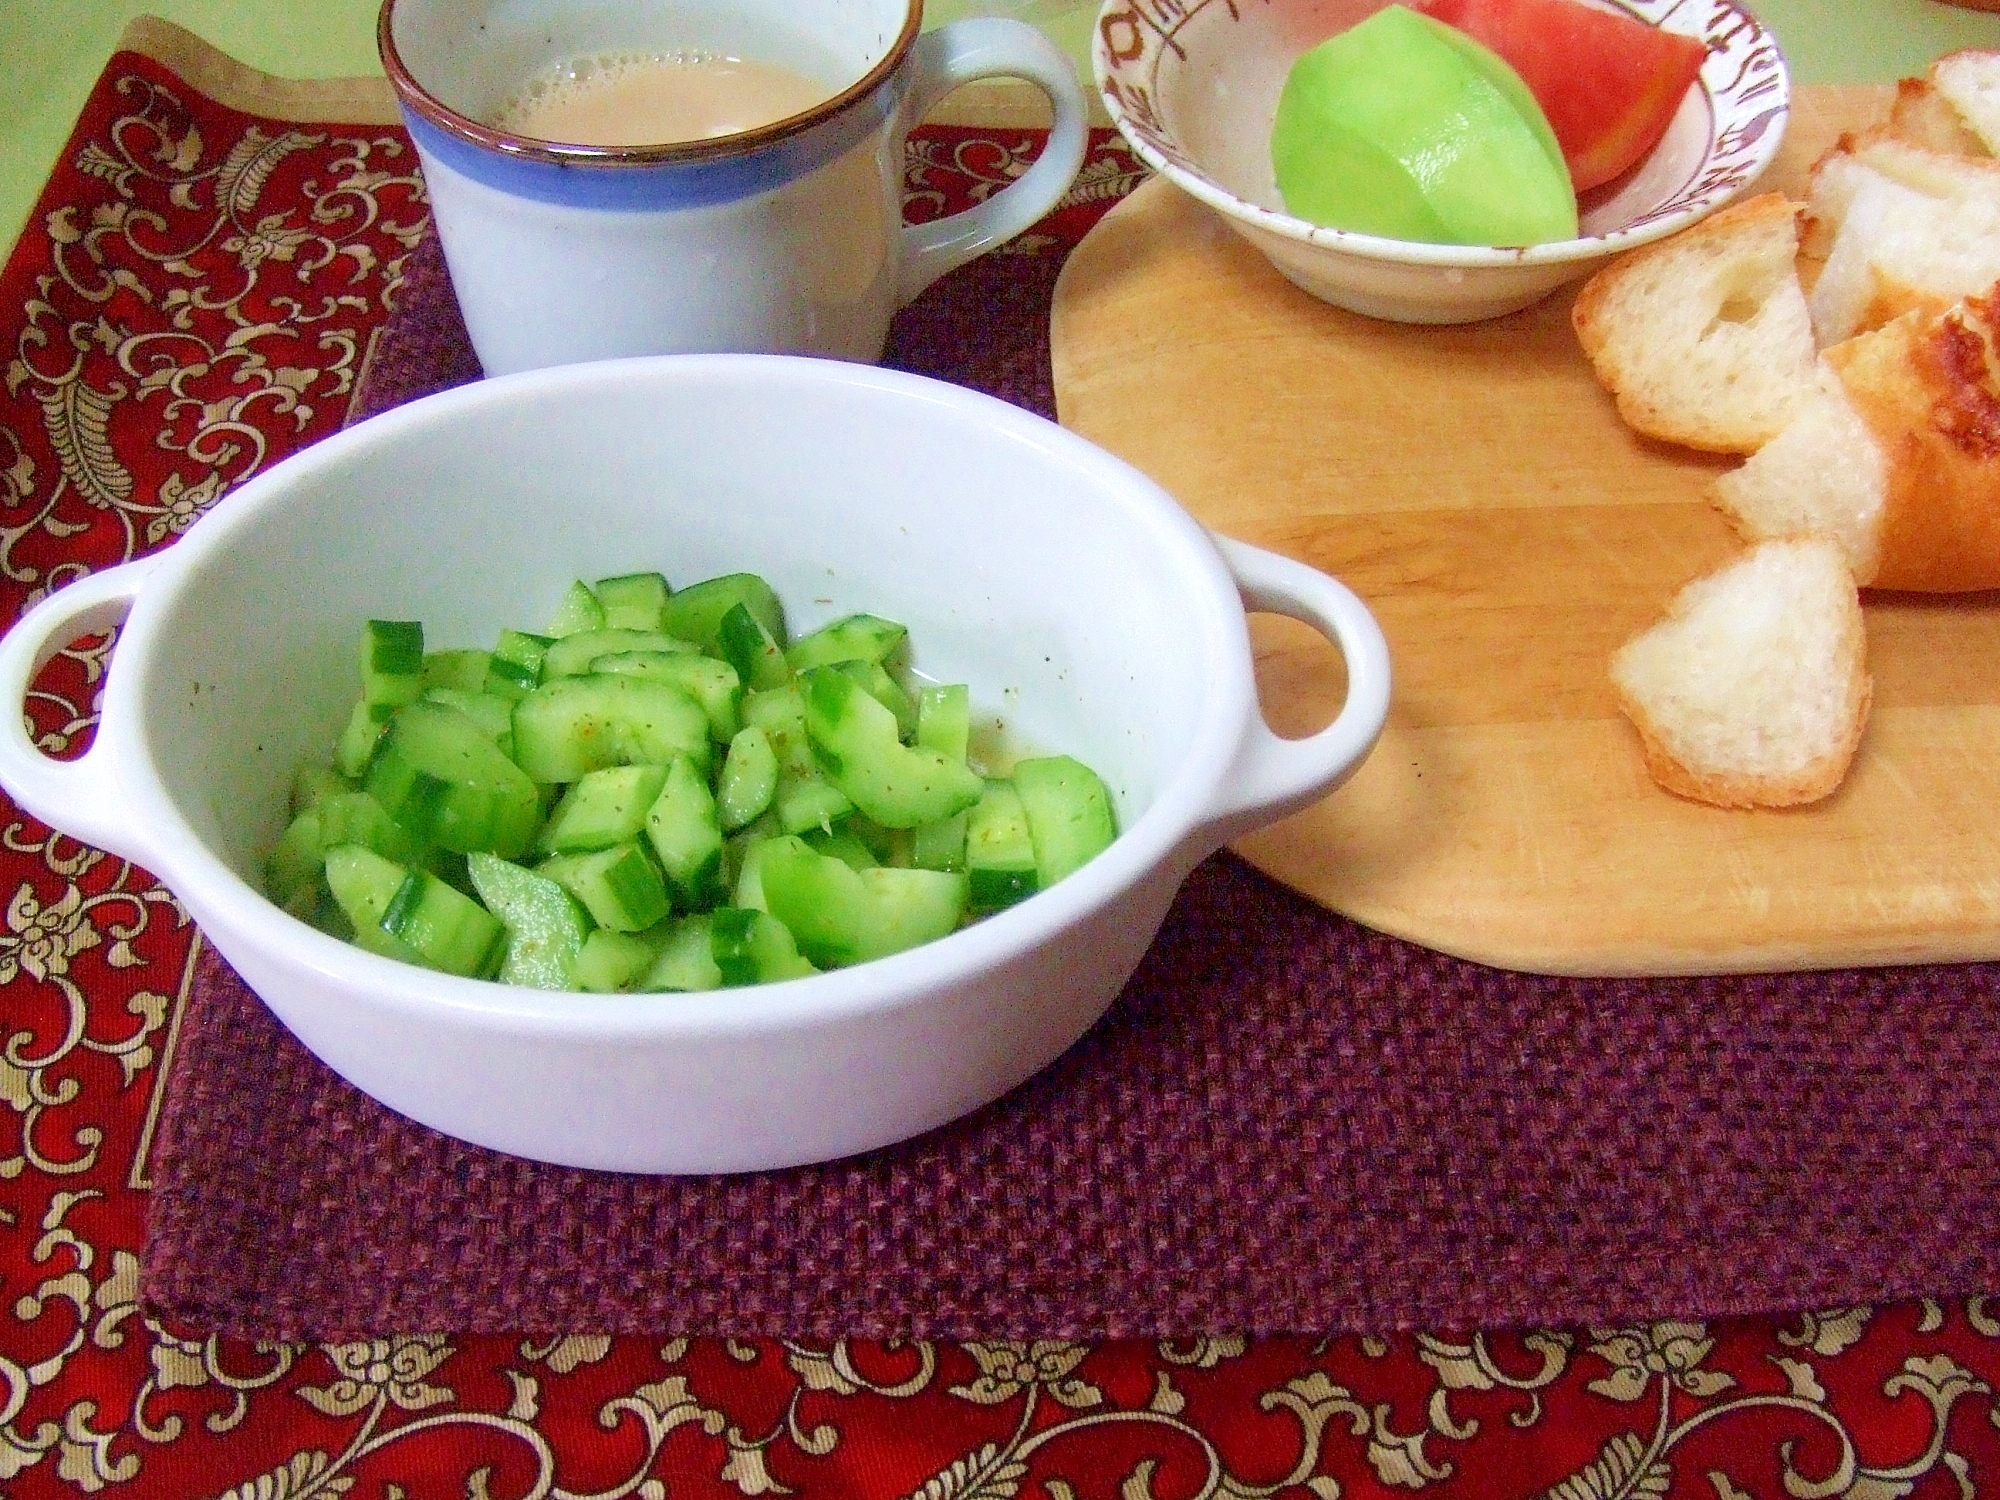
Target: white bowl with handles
(1074,596)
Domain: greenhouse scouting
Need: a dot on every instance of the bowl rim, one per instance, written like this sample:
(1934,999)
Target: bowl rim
(1423,252)
(230,903)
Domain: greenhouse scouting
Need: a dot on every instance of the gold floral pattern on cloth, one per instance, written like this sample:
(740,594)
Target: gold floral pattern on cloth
(194,298)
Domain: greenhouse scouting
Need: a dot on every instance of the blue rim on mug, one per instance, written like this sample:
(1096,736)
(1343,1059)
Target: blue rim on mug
(677,174)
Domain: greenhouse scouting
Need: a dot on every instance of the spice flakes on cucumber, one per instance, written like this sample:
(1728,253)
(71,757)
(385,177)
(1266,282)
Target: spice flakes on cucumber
(662,791)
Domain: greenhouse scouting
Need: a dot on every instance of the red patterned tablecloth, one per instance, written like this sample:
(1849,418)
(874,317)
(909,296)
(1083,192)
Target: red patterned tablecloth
(196,295)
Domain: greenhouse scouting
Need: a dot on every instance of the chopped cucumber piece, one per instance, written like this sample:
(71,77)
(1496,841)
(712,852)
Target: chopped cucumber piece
(844,844)
(602,808)
(806,802)
(749,779)
(839,915)
(753,947)
(492,713)
(686,961)
(392,662)
(578,609)
(1068,811)
(856,638)
(312,785)
(438,775)
(944,719)
(686,834)
(545,924)
(999,850)
(514,669)
(939,845)
(573,655)
(620,887)
(711,683)
(357,742)
(574,725)
(614,963)
(444,927)
(874,679)
(634,601)
(859,746)
(695,613)
(462,671)
(364,884)
(743,641)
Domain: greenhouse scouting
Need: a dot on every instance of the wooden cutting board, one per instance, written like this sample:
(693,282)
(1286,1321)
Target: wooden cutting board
(1475,487)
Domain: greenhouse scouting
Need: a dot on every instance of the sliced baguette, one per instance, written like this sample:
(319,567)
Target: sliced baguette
(1927,390)
(1704,338)
(1924,117)
(1912,230)
(1753,691)
(1970,82)
(1897,458)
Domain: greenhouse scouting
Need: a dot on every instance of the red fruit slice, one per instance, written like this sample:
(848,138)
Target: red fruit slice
(1608,82)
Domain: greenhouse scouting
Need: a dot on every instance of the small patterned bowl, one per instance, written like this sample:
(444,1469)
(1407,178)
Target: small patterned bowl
(1193,85)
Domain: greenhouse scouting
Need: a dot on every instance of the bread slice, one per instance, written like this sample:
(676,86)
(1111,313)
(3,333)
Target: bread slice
(1823,475)
(1753,691)
(1924,117)
(1704,338)
(1928,390)
(1913,230)
(1897,458)
(1970,82)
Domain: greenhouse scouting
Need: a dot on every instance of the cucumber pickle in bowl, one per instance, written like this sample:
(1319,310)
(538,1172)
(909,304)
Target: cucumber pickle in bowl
(1067,593)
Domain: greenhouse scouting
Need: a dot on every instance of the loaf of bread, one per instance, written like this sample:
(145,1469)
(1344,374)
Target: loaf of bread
(1704,338)
(1896,457)
(1753,691)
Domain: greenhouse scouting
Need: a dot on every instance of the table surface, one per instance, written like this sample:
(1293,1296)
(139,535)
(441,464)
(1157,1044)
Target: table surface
(51,54)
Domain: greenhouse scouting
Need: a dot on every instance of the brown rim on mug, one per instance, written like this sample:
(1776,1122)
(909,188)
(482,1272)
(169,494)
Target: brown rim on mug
(416,97)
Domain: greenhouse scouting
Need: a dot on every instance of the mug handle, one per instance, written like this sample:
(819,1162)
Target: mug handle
(958,53)
(80,797)
(1273,777)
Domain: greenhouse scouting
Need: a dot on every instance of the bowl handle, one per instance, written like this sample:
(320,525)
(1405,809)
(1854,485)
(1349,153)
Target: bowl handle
(1272,776)
(80,797)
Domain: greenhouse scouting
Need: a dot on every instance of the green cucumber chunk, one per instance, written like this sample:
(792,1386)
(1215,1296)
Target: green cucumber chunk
(749,779)
(808,802)
(620,887)
(747,644)
(710,682)
(578,609)
(461,670)
(392,662)
(438,774)
(313,784)
(944,719)
(999,849)
(602,808)
(514,669)
(839,915)
(614,963)
(1069,814)
(363,884)
(753,947)
(855,638)
(444,927)
(874,679)
(844,844)
(695,613)
(939,845)
(686,834)
(634,601)
(686,961)
(359,737)
(574,725)
(545,924)
(574,655)
(492,713)
(859,747)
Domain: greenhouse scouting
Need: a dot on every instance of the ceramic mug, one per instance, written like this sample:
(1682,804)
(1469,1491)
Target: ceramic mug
(786,238)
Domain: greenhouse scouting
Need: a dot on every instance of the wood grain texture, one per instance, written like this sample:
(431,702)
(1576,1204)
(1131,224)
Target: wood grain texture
(1475,486)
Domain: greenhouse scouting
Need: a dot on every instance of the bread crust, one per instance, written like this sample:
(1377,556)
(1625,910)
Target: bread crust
(1926,388)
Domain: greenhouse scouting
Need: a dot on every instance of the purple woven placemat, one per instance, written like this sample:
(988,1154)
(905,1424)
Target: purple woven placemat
(1286,1124)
